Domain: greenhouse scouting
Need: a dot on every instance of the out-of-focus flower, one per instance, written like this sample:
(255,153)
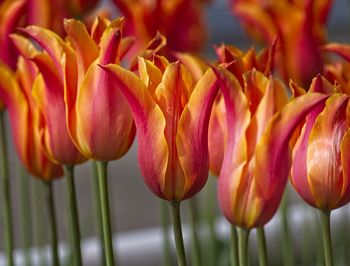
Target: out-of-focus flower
(257,158)
(99,120)
(171,113)
(299,26)
(45,13)
(320,170)
(25,118)
(338,71)
(180,21)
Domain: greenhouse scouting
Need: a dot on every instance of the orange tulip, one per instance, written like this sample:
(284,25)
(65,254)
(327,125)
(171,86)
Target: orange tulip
(99,120)
(25,118)
(171,115)
(299,26)
(256,163)
(320,172)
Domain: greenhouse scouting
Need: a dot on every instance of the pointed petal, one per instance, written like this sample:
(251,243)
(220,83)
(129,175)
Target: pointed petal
(86,48)
(150,123)
(192,134)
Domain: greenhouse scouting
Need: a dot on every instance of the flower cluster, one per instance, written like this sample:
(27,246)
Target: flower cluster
(71,97)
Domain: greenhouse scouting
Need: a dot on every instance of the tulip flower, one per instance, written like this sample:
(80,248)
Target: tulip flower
(181,22)
(26,120)
(256,162)
(171,115)
(320,172)
(81,93)
(299,27)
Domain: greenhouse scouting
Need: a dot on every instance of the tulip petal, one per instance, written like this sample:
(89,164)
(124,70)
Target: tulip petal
(192,134)
(323,155)
(15,101)
(150,123)
(299,177)
(238,118)
(345,160)
(150,75)
(86,48)
(271,171)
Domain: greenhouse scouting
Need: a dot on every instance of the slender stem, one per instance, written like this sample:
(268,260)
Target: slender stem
(325,217)
(196,255)
(52,222)
(106,219)
(98,216)
(243,235)
(287,241)
(211,214)
(165,223)
(180,249)
(73,214)
(38,216)
(6,194)
(25,217)
(233,246)
(262,246)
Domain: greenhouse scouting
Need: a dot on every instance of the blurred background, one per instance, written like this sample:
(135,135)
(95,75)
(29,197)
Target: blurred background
(134,210)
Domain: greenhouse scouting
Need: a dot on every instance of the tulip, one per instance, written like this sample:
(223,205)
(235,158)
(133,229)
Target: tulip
(256,161)
(26,121)
(299,27)
(82,92)
(171,116)
(181,22)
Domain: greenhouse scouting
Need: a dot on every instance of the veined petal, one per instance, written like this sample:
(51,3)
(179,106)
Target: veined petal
(192,134)
(298,175)
(104,128)
(324,166)
(272,162)
(235,158)
(150,123)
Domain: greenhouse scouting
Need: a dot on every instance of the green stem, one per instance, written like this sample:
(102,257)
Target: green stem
(243,235)
(211,214)
(106,219)
(180,249)
(52,222)
(196,255)
(73,214)
(39,217)
(165,223)
(98,216)
(287,241)
(6,194)
(326,236)
(262,246)
(233,246)
(25,217)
